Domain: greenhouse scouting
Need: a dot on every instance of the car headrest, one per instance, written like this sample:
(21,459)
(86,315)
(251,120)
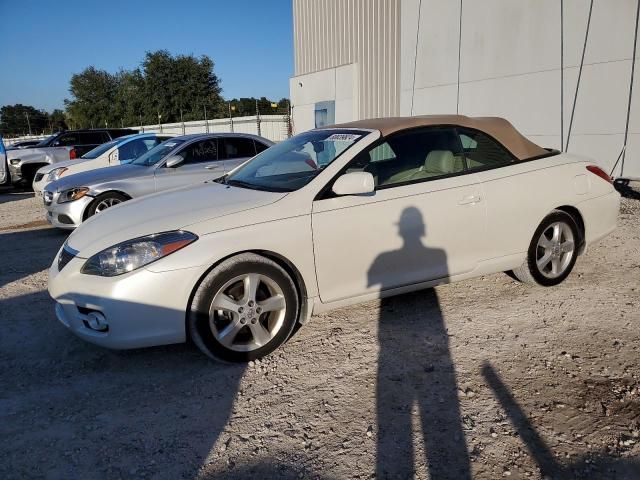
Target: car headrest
(440,161)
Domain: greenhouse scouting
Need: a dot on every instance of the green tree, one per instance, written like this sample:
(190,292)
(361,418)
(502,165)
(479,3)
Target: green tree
(93,95)
(128,105)
(179,83)
(57,121)
(20,119)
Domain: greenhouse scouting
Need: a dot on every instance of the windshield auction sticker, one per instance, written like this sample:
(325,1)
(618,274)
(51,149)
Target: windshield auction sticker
(343,137)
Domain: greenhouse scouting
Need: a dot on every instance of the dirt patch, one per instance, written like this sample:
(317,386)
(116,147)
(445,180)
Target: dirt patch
(521,382)
(23,226)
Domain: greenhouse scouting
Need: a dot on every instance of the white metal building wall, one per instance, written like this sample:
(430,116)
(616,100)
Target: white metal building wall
(365,33)
(503,58)
(508,58)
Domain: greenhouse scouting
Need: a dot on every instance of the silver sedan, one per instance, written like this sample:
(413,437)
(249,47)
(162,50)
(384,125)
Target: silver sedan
(174,163)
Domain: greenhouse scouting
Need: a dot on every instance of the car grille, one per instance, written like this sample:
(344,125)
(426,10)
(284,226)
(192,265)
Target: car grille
(47,197)
(38,177)
(65,257)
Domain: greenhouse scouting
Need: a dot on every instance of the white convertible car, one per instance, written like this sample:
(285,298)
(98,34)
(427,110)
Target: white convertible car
(328,218)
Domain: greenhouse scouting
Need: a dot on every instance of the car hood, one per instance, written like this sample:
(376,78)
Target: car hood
(65,163)
(164,211)
(99,175)
(27,153)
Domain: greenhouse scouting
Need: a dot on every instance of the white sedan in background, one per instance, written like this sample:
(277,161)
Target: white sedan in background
(116,152)
(328,218)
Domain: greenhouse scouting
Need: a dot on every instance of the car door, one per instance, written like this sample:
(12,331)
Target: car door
(236,151)
(60,147)
(511,191)
(420,224)
(200,163)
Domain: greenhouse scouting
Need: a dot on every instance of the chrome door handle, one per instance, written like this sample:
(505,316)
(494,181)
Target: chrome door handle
(471,199)
(213,167)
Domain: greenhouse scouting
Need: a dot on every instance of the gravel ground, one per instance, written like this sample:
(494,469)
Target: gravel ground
(486,377)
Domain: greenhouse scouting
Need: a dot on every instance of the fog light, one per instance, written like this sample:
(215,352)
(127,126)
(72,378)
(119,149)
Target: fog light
(96,321)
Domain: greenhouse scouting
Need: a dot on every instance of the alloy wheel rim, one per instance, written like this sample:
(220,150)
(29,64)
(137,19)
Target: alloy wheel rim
(555,249)
(247,312)
(106,203)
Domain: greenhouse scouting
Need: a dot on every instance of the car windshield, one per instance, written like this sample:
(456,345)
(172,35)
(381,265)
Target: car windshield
(292,164)
(46,141)
(157,153)
(100,149)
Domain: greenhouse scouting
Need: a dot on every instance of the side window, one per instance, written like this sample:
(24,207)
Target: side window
(67,140)
(200,152)
(133,149)
(260,147)
(237,147)
(93,138)
(481,151)
(411,157)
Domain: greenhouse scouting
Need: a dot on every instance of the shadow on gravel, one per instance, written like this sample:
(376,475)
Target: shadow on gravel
(266,469)
(625,189)
(24,253)
(149,413)
(415,368)
(598,465)
(12,195)
(75,410)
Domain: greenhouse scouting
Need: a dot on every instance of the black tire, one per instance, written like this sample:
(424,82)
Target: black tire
(201,331)
(529,271)
(105,197)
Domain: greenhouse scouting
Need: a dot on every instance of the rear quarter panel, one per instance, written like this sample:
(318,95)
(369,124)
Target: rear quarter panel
(519,196)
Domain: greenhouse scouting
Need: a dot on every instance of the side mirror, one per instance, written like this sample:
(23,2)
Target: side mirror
(113,156)
(354,183)
(174,161)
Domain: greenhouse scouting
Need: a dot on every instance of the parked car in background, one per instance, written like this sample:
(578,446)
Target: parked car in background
(116,152)
(67,145)
(4,173)
(23,144)
(174,163)
(330,217)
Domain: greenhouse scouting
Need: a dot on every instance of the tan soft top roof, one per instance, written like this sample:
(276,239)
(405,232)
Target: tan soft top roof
(497,127)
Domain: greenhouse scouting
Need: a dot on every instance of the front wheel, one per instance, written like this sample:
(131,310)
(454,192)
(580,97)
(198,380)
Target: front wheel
(244,309)
(552,252)
(104,201)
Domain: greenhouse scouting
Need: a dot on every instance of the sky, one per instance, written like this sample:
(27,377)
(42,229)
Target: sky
(44,42)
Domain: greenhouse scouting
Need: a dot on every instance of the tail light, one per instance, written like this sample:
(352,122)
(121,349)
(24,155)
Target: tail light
(73,154)
(601,173)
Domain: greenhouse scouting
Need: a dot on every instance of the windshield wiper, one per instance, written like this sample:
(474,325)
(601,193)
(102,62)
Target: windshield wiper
(241,184)
(251,186)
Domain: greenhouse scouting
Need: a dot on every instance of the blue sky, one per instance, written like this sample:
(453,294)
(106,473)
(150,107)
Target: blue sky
(42,43)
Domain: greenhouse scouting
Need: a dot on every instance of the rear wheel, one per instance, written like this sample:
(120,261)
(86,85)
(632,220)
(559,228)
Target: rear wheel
(104,201)
(553,251)
(244,309)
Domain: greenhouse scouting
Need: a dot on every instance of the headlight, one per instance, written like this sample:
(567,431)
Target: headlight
(72,194)
(132,254)
(56,173)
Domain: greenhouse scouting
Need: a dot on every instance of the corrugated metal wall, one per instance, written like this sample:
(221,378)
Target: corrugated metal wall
(330,33)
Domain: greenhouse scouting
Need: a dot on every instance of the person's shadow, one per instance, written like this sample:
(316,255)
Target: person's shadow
(415,369)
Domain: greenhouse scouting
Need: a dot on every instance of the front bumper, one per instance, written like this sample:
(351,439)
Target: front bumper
(15,172)
(141,308)
(39,185)
(65,215)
